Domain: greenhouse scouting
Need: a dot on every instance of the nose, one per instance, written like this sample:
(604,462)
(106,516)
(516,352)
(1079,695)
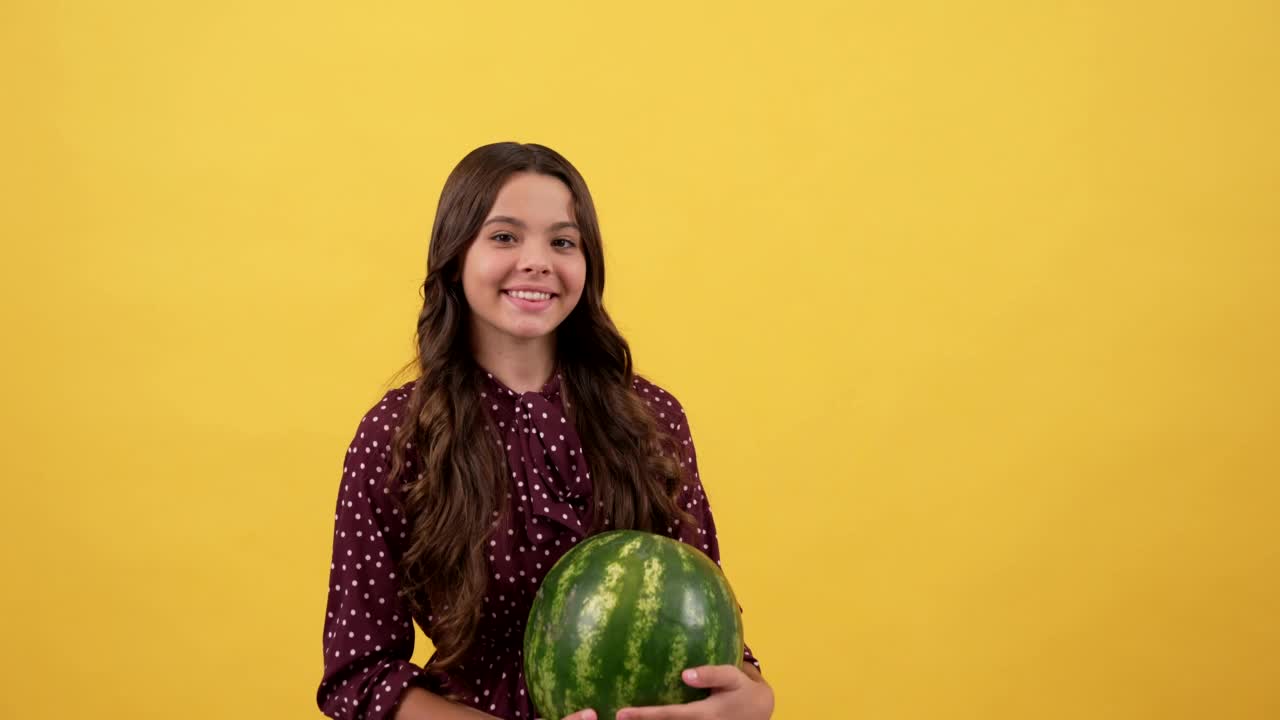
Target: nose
(535,260)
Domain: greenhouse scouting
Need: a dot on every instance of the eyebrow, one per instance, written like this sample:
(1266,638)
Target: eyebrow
(520,223)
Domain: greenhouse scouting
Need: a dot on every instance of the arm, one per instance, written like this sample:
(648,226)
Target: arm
(420,704)
(671,418)
(736,691)
(695,502)
(368,631)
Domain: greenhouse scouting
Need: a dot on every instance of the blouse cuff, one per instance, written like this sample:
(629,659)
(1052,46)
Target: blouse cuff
(749,657)
(391,688)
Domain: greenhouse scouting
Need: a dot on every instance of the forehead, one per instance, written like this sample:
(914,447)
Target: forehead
(534,198)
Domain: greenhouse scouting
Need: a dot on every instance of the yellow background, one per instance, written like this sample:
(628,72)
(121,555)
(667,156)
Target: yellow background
(973,307)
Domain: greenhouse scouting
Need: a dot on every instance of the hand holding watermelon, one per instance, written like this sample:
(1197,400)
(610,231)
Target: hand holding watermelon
(737,694)
(617,621)
(734,694)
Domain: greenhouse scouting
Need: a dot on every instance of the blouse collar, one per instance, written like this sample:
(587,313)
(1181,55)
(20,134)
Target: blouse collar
(550,390)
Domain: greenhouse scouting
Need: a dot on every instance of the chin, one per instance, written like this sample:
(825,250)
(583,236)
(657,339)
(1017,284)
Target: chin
(528,333)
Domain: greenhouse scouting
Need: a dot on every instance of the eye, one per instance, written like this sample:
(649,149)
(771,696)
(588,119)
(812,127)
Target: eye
(504,234)
(567,243)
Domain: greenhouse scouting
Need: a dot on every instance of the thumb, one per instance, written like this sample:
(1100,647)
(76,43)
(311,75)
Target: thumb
(722,677)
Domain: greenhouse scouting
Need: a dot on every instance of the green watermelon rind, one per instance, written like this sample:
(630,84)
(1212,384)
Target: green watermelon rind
(658,623)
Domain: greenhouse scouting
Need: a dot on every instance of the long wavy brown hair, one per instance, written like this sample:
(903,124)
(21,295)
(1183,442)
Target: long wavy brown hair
(452,473)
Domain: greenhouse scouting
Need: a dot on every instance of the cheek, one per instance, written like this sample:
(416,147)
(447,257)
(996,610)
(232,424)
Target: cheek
(576,277)
(481,275)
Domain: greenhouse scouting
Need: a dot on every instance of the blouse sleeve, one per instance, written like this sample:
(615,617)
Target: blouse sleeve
(368,630)
(693,497)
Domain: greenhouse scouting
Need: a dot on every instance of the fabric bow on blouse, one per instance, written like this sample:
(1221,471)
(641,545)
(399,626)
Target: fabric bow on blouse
(545,456)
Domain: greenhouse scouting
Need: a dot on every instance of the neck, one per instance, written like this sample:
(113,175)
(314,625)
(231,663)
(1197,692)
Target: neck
(522,365)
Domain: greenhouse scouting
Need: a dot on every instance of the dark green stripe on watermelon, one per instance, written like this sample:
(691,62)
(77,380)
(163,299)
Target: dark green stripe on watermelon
(619,617)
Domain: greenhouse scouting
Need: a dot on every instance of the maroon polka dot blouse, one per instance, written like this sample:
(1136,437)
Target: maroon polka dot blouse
(368,633)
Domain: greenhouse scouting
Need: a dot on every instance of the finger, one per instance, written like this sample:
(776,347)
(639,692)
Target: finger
(660,712)
(718,677)
(580,715)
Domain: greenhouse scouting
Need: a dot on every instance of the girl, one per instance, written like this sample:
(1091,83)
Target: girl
(525,432)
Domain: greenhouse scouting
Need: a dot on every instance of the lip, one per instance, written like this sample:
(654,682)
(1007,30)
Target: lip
(529,305)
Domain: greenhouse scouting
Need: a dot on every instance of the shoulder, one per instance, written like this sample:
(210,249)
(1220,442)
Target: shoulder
(379,423)
(656,397)
(665,407)
(387,412)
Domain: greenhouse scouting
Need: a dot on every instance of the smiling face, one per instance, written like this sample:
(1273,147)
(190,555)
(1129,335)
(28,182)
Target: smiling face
(524,272)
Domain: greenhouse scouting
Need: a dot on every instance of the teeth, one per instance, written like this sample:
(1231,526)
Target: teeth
(524,295)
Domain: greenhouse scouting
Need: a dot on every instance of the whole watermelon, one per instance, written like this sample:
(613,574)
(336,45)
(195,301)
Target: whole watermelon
(619,617)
